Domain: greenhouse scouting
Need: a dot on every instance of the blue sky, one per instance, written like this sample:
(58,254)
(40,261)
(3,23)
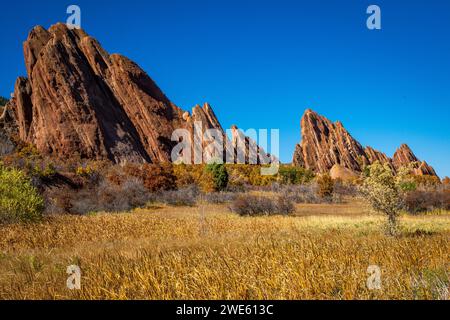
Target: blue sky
(262,63)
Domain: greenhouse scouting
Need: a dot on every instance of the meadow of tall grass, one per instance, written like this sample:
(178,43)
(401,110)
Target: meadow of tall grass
(207,252)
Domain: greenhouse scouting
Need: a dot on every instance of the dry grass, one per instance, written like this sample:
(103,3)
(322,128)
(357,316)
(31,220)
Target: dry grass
(208,253)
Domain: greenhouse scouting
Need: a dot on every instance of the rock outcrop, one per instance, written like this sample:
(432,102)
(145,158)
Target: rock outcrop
(404,157)
(342,173)
(78,100)
(8,131)
(325,144)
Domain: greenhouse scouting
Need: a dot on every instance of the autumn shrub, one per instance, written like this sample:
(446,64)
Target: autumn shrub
(294,175)
(345,189)
(19,199)
(258,179)
(325,186)
(239,174)
(422,201)
(219,197)
(84,171)
(251,205)
(407,180)
(246,174)
(27,159)
(186,196)
(185,174)
(105,196)
(426,182)
(300,193)
(284,205)
(155,177)
(130,195)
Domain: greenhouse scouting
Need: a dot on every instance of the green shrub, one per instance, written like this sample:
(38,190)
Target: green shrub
(294,175)
(407,186)
(219,175)
(19,200)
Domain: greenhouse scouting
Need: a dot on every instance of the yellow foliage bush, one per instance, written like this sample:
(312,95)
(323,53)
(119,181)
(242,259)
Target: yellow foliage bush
(19,199)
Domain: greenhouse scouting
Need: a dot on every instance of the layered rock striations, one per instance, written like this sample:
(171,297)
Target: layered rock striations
(404,157)
(326,144)
(80,100)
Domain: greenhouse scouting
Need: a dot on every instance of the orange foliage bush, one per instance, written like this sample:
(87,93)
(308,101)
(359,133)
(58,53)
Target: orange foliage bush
(326,186)
(156,177)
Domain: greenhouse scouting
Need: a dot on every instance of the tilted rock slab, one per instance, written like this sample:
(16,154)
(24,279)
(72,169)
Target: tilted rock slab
(80,100)
(326,144)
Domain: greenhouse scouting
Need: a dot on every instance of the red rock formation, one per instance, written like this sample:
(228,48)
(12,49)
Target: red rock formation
(78,99)
(246,150)
(375,155)
(9,131)
(404,157)
(340,172)
(326,144)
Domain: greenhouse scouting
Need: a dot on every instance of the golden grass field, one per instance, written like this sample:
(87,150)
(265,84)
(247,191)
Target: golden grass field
(207,252)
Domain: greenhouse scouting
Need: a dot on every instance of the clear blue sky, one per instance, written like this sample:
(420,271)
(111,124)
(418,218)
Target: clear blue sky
(262,63)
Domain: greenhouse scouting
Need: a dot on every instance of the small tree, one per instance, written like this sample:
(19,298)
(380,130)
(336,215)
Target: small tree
(219,175)
(382,192)
(326,186)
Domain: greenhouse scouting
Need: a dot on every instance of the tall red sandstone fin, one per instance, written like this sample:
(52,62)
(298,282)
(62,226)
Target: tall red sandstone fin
(24,110)
(8,129)
(247,150)
(297,159)
(73,111)
(425,169)
(37,40)
(153,115)
(325,144)
(404,157)
(375,155)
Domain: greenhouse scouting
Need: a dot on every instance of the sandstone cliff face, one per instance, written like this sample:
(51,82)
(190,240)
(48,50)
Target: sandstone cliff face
(404,157)
(78,99)
(325,144)
(8,130)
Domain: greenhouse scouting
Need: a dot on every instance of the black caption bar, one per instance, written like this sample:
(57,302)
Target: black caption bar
(224,309)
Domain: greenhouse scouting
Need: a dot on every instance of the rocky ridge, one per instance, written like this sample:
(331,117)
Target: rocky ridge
(326,144)
(80,100)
